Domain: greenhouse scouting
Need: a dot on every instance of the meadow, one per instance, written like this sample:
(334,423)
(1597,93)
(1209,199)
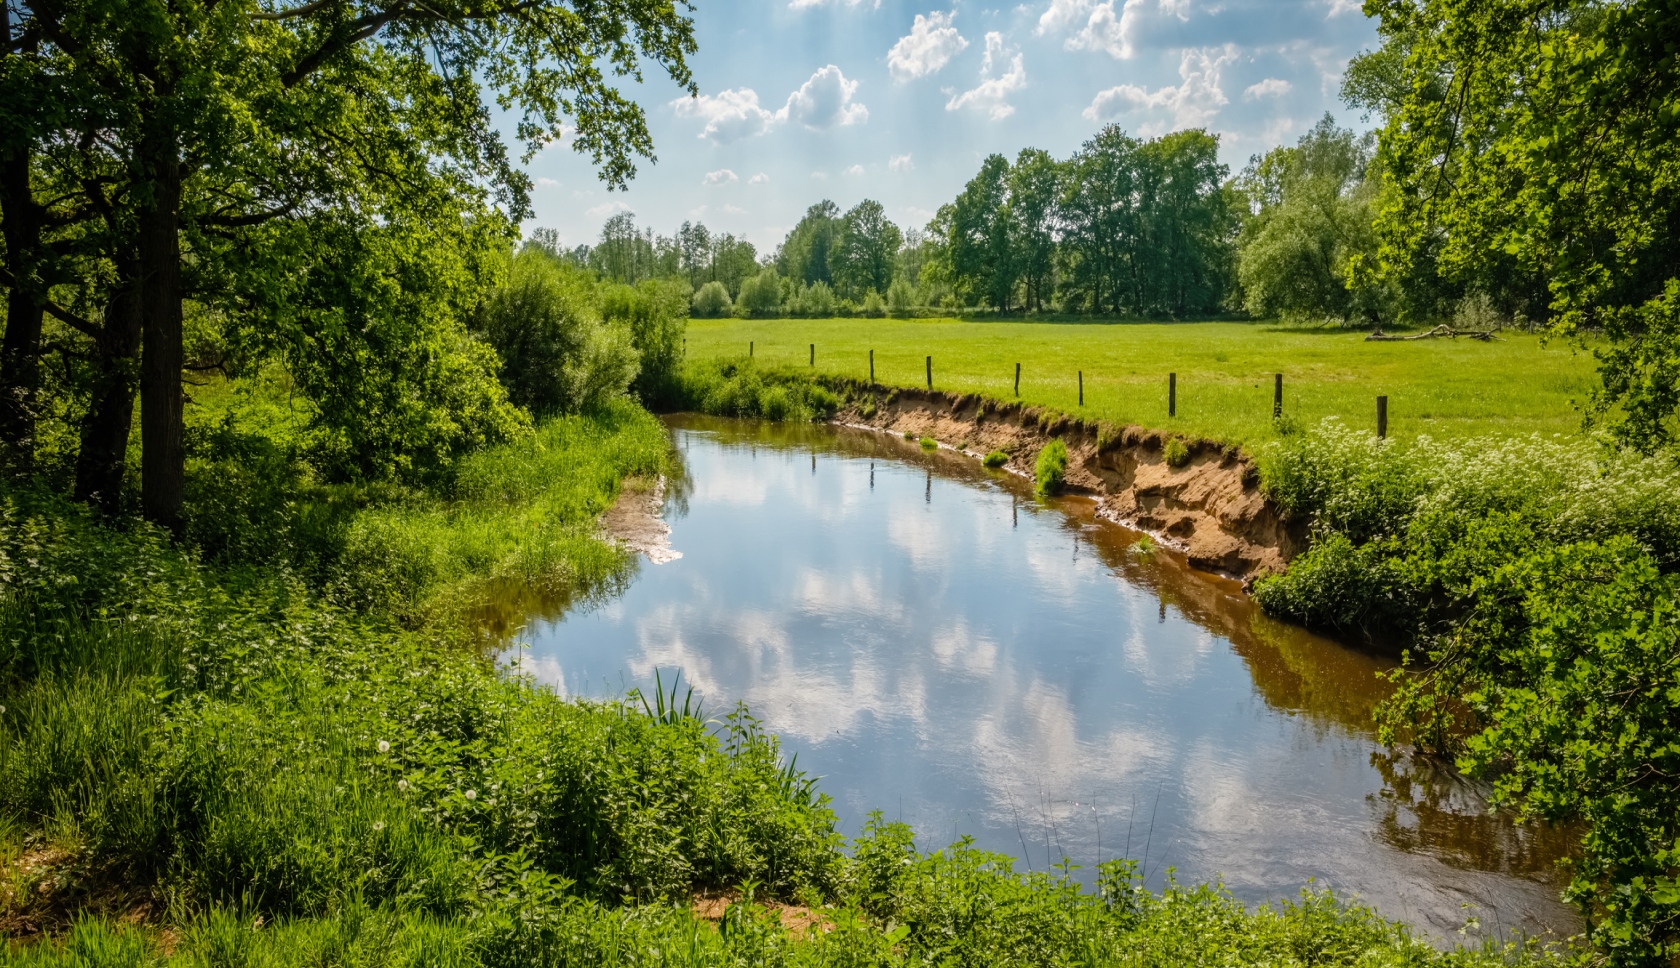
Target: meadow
(1444,388)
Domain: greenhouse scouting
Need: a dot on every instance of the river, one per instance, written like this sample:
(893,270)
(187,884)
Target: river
(938,645)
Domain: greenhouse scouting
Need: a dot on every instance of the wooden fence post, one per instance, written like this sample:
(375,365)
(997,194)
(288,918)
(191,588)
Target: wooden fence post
(1382,417)
(749,348)
(930,372)
(1082,388)
(1172,394)
(813,354)
(1277,395)
(872,367)
(1017,379)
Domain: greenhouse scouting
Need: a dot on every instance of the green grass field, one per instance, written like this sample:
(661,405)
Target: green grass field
(1445,388)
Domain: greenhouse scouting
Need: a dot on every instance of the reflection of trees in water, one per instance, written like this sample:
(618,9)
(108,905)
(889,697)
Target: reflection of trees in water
(1427,807)
(679,484)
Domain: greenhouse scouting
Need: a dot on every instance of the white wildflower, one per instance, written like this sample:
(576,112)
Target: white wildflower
(378,825)
(402,785)
(384,747)
(472,794)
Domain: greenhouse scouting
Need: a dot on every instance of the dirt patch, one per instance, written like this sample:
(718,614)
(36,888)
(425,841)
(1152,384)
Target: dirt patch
(634,520)
(797,919)
(43,890)
(1209,507)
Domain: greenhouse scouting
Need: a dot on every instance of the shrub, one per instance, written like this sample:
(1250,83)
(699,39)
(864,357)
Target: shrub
(762,294)
(657,314)
(900,296)
(1051,471)
(818,300)
(711,300)
(928,443)
(742,388)
(557,353)
(1175,453)
(996,458)
(873,305)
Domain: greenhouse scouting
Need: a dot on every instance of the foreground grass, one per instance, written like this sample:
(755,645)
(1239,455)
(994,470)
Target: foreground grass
(1444,388)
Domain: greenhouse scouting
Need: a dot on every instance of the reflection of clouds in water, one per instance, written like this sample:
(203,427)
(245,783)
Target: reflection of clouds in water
(860,594)
(956,647)
(1162,655)
(730,483)
(921,535)
(542,669)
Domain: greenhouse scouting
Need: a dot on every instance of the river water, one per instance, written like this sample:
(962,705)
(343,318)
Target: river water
(936,644)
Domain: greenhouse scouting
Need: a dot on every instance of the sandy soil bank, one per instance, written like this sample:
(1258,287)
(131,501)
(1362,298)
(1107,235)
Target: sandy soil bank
(634,520)
(1210,507)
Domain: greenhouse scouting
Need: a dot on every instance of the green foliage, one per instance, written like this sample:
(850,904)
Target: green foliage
(1051,470)
(558,355)
(928,443)
(1315,203)
(657,313)
(865,251)
(1542,137)
(1175,453)
(996,458)
(873,305)
(742,388)
(762,294)
(711,300)
(1559,685)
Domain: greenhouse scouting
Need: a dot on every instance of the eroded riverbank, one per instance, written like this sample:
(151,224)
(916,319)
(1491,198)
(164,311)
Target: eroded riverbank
(1209,507)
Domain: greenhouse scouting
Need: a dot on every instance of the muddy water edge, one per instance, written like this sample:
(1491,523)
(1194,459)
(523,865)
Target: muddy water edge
(941,646)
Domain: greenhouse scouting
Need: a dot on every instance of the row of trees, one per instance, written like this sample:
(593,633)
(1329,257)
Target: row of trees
(187,187)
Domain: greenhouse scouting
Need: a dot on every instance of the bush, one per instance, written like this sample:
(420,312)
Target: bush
(1051,472)
(742,388)
(557,353)
(762,294)
(1175,453)
(711,300)
(996,458)
(900,296)
(818,301)
(928,443)
(657,314)
(873,305)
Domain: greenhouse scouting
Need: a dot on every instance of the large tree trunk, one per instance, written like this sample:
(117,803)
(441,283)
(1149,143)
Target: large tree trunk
(163,458)
(103,459)
(20,368)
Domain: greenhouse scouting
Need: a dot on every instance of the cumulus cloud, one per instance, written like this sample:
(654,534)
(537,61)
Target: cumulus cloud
(900,163)
(993,93)
(729,116)
(854,171)
(808,4)
(823,101)
(930,45)
(1270,87)
(722,176)
(610,208)
(759,179)
(1098,26)
(1194,101)
(547,183)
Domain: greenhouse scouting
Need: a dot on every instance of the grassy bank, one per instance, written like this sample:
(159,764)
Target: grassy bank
(1444,388)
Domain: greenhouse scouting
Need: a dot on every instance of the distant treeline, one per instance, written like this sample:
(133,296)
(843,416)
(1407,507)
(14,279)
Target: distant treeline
(1125,227)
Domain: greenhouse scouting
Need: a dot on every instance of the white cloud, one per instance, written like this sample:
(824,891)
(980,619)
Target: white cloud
(808,4)
(1191,103)
(610,208)
(993,93)
(734,210)
(759,179)
(820,175)
(729,116)
(722,176)
(1339,7)
(1270,87)
(823,101)
(547,183)
(854,171)
(929,45)
(900,163)
(1114,35)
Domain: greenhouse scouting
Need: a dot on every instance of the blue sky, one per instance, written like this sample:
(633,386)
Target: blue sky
(900,101)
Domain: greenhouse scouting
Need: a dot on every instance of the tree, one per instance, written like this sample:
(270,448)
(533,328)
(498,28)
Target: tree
(695,244)
(982,258)
(1310,211)
(805,253)
(1034,185)
(1188,224)
(218,122)
(1548,133)
(1103,220)
(865,253)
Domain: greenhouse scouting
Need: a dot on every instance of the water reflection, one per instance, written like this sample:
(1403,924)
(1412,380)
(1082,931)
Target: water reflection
(939,645)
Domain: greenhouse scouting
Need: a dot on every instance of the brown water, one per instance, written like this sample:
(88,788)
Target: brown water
(938,645)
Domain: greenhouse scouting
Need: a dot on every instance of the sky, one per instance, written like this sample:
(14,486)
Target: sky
(801,100)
